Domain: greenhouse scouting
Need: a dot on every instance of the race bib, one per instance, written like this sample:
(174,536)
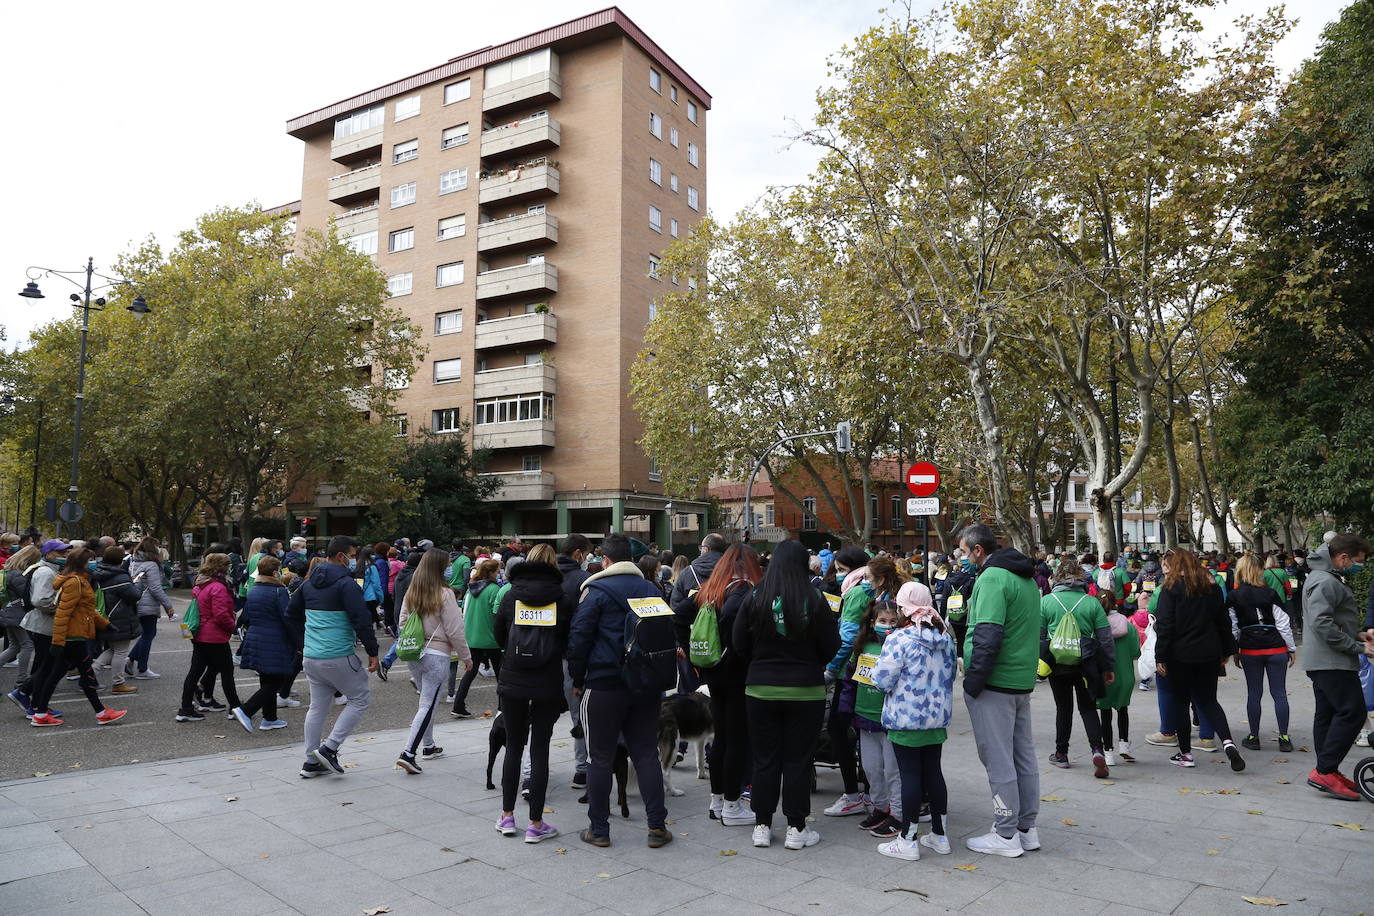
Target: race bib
(956,601)
(833,601)
(545,615)
(941,576)
(1293,583)
(1149,585)
(650,607)
(863,671)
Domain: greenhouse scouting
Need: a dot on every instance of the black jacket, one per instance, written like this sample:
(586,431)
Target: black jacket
(779,662)
(535,584)
(596,642)
(402,583)
(121,601)
(573,577)
(1192,629)
(733,667)
(1254,607)
(681,599)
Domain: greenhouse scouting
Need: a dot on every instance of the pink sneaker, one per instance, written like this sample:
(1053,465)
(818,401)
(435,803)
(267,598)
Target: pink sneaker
(106,716)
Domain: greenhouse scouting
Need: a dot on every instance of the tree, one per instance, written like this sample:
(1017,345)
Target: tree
(449,490)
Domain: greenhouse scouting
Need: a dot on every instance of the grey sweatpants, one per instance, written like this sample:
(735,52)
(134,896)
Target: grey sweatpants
(429,672)
(1002,730)
(880,765)
(346,675)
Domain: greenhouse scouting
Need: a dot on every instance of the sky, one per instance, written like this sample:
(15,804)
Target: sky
(156,112)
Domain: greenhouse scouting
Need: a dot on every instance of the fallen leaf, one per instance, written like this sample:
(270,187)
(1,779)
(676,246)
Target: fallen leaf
(1070,822)
(1280,760)
(561,744)
(1283,782)
(1304,750)
(353,766)
(1228,791)
(74,766)
(135,761)
(1051,798)
(1254,812)
(86,827)
(1224,836)
(966,867)
(446,849)
(486,714)
(265,856)
(1350,826)
(1214,852)
(41,775)
(344,804)
(670,823)
(550,811)
(728,852)
(1105,782)
(683,833)
(561,851)
(231,798)
(377,911)
(603,874)
(906,890)
(239,757)
(219,736)
(1264,901)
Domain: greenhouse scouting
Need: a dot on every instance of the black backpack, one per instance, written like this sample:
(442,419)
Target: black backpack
(649,662)
(533,640)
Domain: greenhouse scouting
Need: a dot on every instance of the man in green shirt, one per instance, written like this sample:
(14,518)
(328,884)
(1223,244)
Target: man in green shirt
(1000,658)
(460,571)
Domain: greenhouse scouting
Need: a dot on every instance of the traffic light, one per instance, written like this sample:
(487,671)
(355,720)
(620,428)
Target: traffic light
(844,440)
(306,524)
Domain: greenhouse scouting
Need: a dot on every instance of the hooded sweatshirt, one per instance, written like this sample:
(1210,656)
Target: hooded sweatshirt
(535,585)
(328,614)
(479,613)
(1331,617)
(121,600)
(146,573)
(855,597)
(1004,617)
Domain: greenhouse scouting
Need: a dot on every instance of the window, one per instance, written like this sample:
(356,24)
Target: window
(454,136)
(672,135)
(363,242)
(446,420)
(448,322)
(693,154)
(514,410)
(452,227)
(898,514)
(449,274)
(770,516)
(693,198)
(692,111)
(535,258)
(808,505)
(396,379)
(672,228)
(691,282)
(653,267)
(400,425)
(517,68)
(399,284)
(404,152)
(531,464)
(653,310)
(655,172)
(655,81)
(656,125)
(655,471)
(403,194)
(448,370)
(534,359)
(873,509)
(533,209)
(359,121)
(401,240)
(672,182)
(408,107)
(655,218)
(672,94)
(456,92)
(453,180)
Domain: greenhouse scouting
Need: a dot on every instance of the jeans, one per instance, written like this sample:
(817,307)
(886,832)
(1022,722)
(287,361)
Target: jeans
(1339,716)
(607,715)
(75,654)
(1002,730)
(139,653)
(209,659)
(880,765)
(841,745)
(346,675)
(1164,696)
(429,671)
(922,782)
(20,648)
(460,698)
(1196,684)
(1068,688)
(1257,668)
(115,655)
(532,720)
(783,734)
(730,741)
(264,700)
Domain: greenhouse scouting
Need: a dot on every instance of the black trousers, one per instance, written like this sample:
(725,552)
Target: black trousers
(1196,684)
(264,700)
(76,654)
(842,744)
(1068,689)
(922,782)
(608,715)
(730,741)
(29,680)
(1123,724)
(783,734)
(214,658)
(460,699)
(532,720)
(1340,715)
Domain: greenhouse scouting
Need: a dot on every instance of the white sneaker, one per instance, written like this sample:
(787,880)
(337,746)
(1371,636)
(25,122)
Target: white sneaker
(713,809)
(149,675)
(1111,758)
(1362,739)
(1029,840)
(901,848)
(449,699)
(289,702)
(736,814)
(341,701)
(936,842)
(763,836)
(994,844)
(846,805)
(800,839)
(1123,750)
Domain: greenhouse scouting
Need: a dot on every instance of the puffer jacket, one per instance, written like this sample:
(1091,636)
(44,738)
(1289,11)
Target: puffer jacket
(121,601)
(916,672)
(537,585)
(76,617)
(146,572)
(268,646)
(42,598)
(215,605)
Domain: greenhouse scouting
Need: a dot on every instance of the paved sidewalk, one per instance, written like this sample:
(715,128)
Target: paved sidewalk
(241,833)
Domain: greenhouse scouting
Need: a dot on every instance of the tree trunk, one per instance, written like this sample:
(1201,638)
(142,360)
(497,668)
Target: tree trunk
(1168,513)
(1014,523)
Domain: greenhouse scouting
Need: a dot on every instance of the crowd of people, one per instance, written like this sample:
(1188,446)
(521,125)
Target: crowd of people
(846,658)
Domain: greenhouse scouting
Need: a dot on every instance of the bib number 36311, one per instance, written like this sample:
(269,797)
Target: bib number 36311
(526,615)
(650,607)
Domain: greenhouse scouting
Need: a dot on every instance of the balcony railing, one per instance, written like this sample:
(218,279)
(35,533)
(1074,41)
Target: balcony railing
(520,434)
(532,90)
(539,132)
(358,181)
(355,145)
(540,378)
(356,221)
(519,486)
(518,184)
(527,228)
(522,279)
(536,327)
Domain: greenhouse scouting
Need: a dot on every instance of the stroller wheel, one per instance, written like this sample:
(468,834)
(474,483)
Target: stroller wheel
(1364,778)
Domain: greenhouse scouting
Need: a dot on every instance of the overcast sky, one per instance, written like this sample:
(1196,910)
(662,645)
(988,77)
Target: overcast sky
(135,117)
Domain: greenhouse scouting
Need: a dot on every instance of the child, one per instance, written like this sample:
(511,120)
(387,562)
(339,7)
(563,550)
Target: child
(916,672)
(1117,695)
(875,752)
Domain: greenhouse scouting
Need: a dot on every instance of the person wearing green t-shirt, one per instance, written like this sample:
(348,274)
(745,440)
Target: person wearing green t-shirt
(459,572)
(479,628)
(1079,683)
(875,751)
(1001,655)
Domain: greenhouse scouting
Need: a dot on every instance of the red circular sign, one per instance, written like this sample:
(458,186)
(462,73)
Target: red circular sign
(922,478)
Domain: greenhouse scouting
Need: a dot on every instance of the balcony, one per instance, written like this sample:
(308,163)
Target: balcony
(356,221)
(521,136)
(520,434)
(537,89)
(538,278)
(516,330)
(541,378)
(526,229)
(355,183)
(523,486)
(357,145)
(518,184)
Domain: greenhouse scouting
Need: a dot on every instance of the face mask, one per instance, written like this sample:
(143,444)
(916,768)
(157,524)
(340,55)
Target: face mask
(881,630)
(352,564)
(965,564)
(1353,568)
(60,561)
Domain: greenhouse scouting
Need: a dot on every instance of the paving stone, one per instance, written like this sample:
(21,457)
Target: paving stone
(36,893)
(29,862)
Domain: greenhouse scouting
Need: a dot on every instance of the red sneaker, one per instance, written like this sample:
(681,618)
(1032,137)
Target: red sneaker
(44,719)
(1332,784)
(1349,783)
(106,716)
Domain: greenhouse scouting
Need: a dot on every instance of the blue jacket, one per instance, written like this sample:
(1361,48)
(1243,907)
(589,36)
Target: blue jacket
(596,642)
(827,556)
(372,584)
(267,643)
(916,671)
(383,568)
(328,615)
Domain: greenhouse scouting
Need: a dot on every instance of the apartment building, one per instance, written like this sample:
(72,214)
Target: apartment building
(518,198)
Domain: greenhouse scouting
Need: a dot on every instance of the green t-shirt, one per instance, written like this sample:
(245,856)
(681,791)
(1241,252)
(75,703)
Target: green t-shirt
(248,578)
(1086,609)
(479,616)
(765,692)
(458,573)
(1002,597)
(919,738)
(868,700)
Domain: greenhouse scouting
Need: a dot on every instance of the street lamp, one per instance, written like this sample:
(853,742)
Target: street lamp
(71,511)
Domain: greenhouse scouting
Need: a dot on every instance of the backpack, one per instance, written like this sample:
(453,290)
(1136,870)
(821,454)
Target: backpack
(411,643)
(649,661)
(17,584)
(533,640)
(1066,642)
(100,603)
(1106,581)
(704,648)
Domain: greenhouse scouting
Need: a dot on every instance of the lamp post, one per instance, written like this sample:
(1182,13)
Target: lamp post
(1115,463)
(71,511)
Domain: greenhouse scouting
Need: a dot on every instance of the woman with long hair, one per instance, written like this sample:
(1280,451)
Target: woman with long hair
(210,645)
(365,571)
(1193,640)
(727,590)
(429,596)
(679,564)
(145,569)
(1267,650)
(268,647)
(1078,683)
(12,614)
(787,635)
(75,625)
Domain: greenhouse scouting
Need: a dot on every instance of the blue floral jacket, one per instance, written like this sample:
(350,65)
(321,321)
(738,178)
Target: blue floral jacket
(916,671)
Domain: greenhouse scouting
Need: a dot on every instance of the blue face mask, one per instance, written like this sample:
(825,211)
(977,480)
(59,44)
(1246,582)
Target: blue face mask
(965,564)
(60,561)
(1353,568)
(881,630)
(352,563)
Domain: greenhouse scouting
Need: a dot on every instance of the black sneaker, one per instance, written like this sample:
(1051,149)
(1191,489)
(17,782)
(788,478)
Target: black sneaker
(887,828)
(310,769)
(193,716)
(875,817)
(210,704)
(461,713)
(382,671)
(1251,743)
(431,752)
(1285,744)
(1237,761)
(328,757)
(580,779)
(407,762)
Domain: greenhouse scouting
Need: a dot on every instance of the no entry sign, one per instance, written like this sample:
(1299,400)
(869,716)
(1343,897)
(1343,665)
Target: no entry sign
(922,479)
